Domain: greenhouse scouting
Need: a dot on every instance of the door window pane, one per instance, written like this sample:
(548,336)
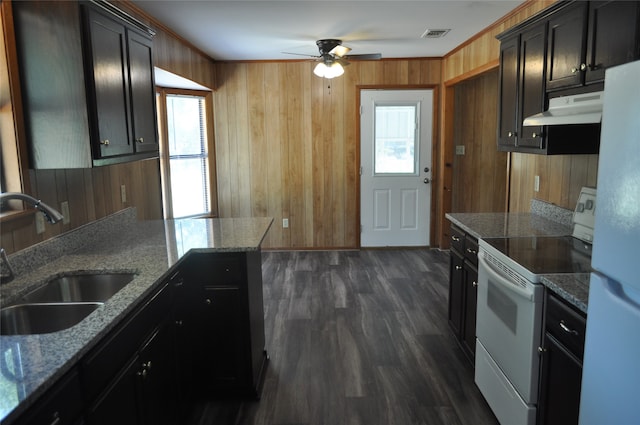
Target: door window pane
(395,144)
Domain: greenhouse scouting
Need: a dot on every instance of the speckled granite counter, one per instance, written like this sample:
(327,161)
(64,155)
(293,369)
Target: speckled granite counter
(117,243)
(574,288)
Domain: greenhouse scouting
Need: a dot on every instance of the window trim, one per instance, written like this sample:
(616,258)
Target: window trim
(164,147)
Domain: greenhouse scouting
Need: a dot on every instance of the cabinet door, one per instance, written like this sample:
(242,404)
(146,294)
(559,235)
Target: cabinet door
(108,63)
(508,100)
(61,405)
(143,95)
(532,93)
(613,36)
(566,48)
(223,355)
(470,307)
(456,288)
(119,403)
(157,376)
(561,377)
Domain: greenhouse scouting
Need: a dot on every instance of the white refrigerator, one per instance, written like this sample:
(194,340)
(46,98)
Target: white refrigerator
(611,368)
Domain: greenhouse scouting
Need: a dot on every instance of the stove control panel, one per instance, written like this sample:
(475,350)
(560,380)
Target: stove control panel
(584,215)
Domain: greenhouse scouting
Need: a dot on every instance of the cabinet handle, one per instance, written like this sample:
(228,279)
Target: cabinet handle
(542,350)
(582,67)
(458,267)
(207,301)
(105,142)
(471,251)
(455,238)
(474,284)
(140,140)
(567,329)
(179,322)
(534,135)
(511,134)
(178,283)
(55,418)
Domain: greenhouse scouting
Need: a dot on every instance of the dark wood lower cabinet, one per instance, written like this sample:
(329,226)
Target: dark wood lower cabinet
(561,364)
(559,401)
(228,356)
(463,290)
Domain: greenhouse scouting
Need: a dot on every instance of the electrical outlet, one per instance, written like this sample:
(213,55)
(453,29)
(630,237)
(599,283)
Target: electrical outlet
(536,183)
(459,149)
(39,223)
(285,223)
(66,217)
(123,194)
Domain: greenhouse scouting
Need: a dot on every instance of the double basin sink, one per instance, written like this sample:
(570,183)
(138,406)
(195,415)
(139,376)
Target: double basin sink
(60,303)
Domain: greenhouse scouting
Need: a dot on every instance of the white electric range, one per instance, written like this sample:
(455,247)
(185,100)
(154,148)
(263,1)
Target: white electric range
(509,314)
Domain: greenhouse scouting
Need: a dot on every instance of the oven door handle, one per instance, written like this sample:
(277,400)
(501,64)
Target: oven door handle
(502,280)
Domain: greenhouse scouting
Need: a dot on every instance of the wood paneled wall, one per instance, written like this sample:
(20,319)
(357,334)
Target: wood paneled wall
(484,48)
(92,194)
(480,175)
(287,144)
(561,177)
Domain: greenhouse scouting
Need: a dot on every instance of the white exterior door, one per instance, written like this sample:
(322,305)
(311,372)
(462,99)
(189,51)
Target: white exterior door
(395,146)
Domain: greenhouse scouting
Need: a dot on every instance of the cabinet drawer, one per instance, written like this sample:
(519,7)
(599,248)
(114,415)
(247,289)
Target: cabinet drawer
(566,325)
(457,239)
(218,269)
(471,249)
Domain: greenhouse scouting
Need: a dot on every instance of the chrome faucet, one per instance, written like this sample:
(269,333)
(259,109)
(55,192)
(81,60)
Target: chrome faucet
(52,216)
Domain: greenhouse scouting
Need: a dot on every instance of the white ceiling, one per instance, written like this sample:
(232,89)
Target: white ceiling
(262,30)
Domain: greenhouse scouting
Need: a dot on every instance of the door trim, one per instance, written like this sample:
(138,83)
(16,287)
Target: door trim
(435,166)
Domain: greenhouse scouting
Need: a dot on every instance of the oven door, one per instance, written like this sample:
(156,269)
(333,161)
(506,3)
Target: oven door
(509,322)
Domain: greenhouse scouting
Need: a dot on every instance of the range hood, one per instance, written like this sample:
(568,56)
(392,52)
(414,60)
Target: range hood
(583,108)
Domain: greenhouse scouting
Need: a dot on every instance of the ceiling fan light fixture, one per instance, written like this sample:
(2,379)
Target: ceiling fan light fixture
(328,71)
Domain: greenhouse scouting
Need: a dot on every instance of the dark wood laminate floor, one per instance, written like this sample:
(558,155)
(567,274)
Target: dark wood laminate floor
(358,338)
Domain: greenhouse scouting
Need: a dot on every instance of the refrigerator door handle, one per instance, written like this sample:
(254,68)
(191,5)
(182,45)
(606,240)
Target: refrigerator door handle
(617,292)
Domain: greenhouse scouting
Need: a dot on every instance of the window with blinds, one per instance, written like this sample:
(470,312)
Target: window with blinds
(187,175)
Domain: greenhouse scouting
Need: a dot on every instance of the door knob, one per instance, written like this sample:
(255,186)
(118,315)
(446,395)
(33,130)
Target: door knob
(426,180)
(426,169)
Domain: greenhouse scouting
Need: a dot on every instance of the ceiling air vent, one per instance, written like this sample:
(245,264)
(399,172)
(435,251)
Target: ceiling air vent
(434,33)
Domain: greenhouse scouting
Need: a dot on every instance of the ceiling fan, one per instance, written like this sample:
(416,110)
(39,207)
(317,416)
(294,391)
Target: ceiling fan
(333,57)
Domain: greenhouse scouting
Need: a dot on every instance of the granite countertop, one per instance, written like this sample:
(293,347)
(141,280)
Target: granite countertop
(118,243)
(573,288)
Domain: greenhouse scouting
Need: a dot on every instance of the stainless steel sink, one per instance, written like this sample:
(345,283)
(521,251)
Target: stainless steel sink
(87,287)
(25,319)
(60,303)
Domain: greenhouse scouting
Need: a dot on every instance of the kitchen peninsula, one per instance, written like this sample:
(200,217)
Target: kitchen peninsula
(179,266)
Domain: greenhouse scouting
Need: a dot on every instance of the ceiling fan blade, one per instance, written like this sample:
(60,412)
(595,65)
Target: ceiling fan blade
(301,54)
(365,57)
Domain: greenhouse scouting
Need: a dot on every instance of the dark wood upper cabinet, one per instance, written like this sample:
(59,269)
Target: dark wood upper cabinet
(586,38)
(108,84)
(532,93)
(86,75)
(508,96)
(564,49)
(567,44)
(119,68)
(614,36)
(143,93)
